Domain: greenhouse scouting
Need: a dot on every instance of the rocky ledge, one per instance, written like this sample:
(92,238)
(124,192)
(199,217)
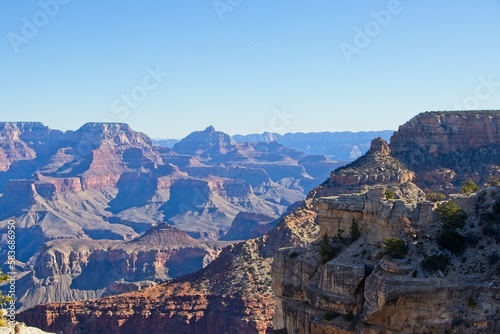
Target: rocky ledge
(394,266)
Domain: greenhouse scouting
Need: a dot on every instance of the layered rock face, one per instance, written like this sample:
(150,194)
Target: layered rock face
(231,295)
(445,132)
(87,269)
(362,289)
(449,147)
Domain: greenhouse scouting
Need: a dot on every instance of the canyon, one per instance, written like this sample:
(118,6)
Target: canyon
(368,251)
(86,203)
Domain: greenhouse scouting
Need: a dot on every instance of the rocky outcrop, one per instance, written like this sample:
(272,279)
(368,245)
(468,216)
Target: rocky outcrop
(377,166)
(362,289)
(384,219)
(446,280)
(20,328)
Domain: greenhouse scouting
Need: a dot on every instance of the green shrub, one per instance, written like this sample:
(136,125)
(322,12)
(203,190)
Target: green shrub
(327,251)
(469,187)
(355,232)
(395,248)
(451,240)
(434,263)
(451,214)
(3,298)
(390,194)
(435,197)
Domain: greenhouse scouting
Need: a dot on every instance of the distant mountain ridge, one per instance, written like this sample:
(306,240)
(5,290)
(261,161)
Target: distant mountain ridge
(343,145)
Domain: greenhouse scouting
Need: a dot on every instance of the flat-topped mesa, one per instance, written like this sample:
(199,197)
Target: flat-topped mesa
(444,132)
(449,147)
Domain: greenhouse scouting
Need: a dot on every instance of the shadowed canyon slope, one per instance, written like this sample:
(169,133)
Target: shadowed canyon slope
(441,278)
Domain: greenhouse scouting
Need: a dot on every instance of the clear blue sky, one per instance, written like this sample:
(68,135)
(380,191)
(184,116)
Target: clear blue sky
(235,64)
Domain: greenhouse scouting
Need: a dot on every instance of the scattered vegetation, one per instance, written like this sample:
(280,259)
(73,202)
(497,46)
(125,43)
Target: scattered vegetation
(469,187)
(3,298)
(436,262)
(293,254)
(355,232)
(450,213)
(494,182)
(327,251)
(395,248)
(435,197)
(390,194)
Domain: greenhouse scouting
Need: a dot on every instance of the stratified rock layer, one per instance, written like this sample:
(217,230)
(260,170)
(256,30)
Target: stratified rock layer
(446,148)
(360,290)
